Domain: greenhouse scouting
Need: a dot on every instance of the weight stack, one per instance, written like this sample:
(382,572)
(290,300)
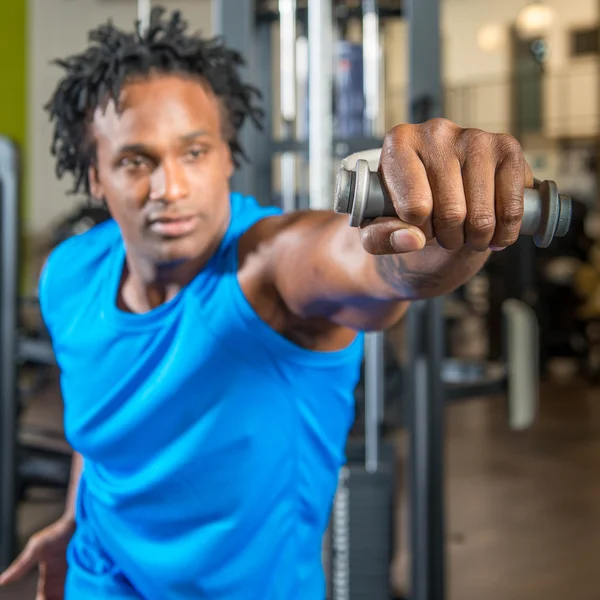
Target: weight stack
(361,534)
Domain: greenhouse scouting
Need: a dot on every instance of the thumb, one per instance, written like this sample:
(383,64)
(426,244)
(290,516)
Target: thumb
(389,235)
(408,239)
(22,564)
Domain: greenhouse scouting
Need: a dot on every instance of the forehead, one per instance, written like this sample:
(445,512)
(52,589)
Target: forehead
(162,107)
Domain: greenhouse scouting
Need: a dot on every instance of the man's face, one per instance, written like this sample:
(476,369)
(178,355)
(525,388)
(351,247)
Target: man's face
(163,168)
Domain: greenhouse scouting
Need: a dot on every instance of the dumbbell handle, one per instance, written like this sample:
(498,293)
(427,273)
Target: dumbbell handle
(360,194)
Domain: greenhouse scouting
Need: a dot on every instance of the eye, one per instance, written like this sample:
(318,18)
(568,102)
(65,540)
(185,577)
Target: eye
(196,152)
(134,163)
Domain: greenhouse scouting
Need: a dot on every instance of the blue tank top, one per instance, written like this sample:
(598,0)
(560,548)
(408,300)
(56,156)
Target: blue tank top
(211,443)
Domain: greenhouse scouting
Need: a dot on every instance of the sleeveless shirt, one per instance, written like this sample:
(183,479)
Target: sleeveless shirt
(211,443)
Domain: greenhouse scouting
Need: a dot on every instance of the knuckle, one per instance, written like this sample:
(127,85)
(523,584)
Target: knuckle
(367,238)
(370,240)
(450,217)
(483,223)
(511,214)
(476,145)
(438,130)
(438,125)
(395,137)
(508,145)
(477,154)
(415,209)
(401,130)
(477,136)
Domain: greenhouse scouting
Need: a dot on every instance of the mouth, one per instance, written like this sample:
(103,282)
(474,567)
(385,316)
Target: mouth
(174,226)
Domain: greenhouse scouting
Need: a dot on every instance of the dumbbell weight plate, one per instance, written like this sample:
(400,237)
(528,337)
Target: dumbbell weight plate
(359,193)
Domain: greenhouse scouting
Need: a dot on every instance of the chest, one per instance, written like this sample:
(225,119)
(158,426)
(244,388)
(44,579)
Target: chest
(174,391)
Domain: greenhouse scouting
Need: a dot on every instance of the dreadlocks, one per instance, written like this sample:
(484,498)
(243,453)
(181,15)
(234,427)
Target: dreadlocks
(116,57)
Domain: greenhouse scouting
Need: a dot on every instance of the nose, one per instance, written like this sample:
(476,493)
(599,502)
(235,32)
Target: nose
(169,182)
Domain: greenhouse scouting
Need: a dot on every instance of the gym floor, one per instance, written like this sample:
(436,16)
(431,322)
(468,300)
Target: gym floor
(523,508)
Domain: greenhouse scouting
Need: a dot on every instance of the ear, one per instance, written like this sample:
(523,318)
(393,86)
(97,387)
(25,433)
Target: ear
(95,185)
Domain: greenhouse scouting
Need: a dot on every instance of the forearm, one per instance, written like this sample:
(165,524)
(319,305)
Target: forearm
(426,273)
(322,270)
(76,467)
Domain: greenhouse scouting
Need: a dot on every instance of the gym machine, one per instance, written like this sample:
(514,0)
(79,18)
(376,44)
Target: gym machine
(9,199)
(22,465)
(360,570)
(363,504)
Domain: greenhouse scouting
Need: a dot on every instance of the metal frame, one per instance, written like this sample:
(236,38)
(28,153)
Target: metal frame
(287,93)
(371,64)
(235,21)
(9,261)
(374,341)
(521,354)
(425,391)
(144,9)
(320,90)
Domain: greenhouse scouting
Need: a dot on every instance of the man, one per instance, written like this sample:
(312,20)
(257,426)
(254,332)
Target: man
(209,347)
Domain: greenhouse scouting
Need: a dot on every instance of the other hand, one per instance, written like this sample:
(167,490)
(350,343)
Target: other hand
(48,550)
(459,187)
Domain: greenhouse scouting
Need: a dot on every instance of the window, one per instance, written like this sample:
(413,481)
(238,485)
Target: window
(585,41)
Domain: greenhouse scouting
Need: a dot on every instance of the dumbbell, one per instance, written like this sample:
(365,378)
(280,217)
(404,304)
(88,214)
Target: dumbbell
(359,193)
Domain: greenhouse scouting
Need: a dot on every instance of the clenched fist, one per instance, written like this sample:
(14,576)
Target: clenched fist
(459,187)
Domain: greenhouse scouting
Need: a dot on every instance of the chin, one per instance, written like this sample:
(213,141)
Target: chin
(181,250)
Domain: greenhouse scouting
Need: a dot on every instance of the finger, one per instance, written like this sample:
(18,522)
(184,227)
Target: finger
(479,183)
(41,583)
(510,190)
(387,235)
(22,564)
(404,176)
(449,204)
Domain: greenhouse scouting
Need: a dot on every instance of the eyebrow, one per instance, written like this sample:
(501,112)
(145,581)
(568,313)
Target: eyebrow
(195,134)
(143,148)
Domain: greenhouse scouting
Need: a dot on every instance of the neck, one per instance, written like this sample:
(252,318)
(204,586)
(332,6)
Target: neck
(146,285)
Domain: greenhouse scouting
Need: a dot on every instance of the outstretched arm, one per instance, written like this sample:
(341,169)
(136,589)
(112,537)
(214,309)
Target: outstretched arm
(458,194)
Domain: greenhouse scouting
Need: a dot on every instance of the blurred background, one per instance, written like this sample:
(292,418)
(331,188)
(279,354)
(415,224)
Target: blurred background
(521,351)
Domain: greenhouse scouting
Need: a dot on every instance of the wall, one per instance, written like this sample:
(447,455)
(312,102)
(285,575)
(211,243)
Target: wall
(570,85)
(13,89)
(477,81)
(58,28)
(478,91)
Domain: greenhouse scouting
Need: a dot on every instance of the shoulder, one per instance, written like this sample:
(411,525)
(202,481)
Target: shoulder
(72,265)
(274,257)
(246,212)
(79,252)
(281,234)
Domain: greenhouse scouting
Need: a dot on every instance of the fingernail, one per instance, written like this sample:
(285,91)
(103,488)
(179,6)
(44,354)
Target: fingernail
(405,240)
(497,248)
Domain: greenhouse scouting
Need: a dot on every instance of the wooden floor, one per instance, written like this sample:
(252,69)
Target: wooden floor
(523,508)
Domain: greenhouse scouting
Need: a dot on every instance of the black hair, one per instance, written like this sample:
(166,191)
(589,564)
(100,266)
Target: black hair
(115,57)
